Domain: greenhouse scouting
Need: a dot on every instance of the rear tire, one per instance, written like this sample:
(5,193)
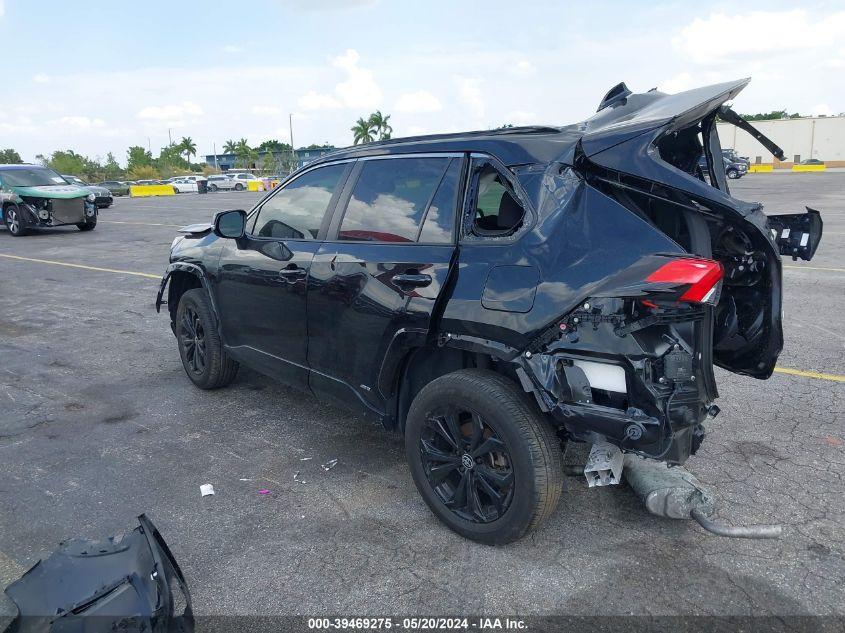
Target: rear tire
(239,187)
(484,460)
(200,348)
(14,221)
(212,187)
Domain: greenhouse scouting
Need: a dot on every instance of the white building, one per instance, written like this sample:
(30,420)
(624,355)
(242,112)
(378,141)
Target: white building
(811,137)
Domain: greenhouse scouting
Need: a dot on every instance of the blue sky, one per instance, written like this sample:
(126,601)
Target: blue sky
(100,76)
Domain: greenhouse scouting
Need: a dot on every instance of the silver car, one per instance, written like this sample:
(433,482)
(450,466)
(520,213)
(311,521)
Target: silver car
(220,181)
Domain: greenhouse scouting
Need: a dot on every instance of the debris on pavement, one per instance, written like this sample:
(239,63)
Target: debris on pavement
(206,490)
(330,464)
(297,479)
(305,459)
(264,492)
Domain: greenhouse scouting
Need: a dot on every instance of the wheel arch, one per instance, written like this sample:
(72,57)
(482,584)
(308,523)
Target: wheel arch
(178,279)
(422,364)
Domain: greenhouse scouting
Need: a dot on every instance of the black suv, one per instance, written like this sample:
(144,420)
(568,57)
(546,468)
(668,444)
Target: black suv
(492,295)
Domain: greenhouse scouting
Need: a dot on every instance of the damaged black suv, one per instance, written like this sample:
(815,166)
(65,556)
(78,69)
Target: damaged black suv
(492,295)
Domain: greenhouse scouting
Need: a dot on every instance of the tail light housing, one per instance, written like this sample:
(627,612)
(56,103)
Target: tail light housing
(701,278)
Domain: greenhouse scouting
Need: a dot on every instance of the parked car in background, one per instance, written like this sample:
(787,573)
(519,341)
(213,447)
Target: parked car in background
(148,182)
(494,295)
(811,161)
(219,181)
(241,180)
(32,196)
(184,185)
(103,195)
(116,187)
(731,155)
(733,170)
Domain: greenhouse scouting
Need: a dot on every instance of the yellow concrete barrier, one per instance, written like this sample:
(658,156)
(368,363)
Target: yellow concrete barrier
(254,185)
(809,167)
(760,169)
(142,191)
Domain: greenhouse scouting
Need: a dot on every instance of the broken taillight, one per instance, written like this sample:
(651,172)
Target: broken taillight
(702,275)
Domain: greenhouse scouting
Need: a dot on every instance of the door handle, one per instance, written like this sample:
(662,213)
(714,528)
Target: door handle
(411,280)
(292,271)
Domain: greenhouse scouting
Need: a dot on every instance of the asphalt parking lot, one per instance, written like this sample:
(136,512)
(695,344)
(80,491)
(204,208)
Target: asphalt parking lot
(98,423)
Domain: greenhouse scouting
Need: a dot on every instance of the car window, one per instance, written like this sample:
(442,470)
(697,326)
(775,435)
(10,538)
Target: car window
(439,224)
(497,211)
(390,198)
(297,211)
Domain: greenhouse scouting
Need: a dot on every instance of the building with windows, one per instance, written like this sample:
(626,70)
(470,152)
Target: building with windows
(821,138)
(304,155)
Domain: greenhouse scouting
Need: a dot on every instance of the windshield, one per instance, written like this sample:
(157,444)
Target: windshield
(32,177)
(75,180)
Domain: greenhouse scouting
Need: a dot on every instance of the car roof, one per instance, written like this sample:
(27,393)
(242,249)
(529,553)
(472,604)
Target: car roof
(621,116)
(21,166)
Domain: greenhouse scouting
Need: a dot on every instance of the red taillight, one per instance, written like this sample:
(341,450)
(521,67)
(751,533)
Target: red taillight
(703,276)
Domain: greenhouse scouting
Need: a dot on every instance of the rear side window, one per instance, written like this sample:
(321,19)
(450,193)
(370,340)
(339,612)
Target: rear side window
(390,198)
(296,212)
(496,210)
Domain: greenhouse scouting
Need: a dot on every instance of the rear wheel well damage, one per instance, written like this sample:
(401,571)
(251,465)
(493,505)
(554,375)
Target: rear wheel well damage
(426,363)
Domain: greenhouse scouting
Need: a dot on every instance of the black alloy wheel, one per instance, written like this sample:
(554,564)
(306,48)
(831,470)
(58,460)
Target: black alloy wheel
(467,464)
(205,360)
(192,341)
(482,456)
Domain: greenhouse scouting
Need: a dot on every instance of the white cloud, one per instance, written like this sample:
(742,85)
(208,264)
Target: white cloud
(311,100)
(81,122)
(525,68)
(722,38)
(822,109)
(419,101)
(326,5)
(678,83)
(469,94)
(176,114)
(360,89)
(266,110)
(40,78)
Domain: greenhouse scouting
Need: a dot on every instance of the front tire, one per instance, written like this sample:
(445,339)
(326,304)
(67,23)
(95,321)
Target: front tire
(483,459)
(200,348)
(733,174)
(89,225)
(212,187)
(14,221)
(239,187)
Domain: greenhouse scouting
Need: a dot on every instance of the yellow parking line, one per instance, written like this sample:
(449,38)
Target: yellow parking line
(176,226)
(809,374)
(835,270)
(69,265)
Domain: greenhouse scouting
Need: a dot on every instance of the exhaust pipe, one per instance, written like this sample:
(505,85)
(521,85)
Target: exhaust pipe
(675,493)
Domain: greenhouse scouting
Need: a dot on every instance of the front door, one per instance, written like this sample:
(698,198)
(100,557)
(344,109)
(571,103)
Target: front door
(262,277)
(378,276)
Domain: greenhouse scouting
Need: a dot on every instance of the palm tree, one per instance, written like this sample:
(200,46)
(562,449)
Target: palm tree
(380,124)
(243,151)
(230,146)
(363,131)
(188,148)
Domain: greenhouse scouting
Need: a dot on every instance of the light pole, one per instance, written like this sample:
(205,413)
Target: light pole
(292,152)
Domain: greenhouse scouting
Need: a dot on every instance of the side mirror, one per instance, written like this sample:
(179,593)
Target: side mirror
(230,223)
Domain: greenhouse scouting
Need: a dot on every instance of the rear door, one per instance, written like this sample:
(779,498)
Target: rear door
(261,281)
(377,277)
